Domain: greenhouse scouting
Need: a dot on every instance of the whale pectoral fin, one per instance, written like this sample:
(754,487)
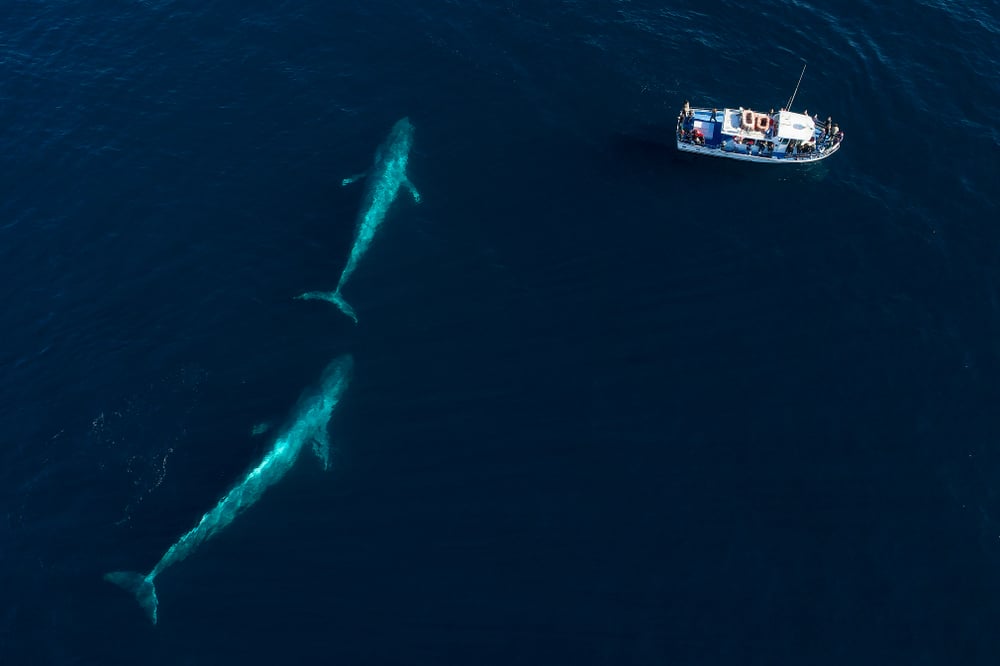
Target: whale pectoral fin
(413,190)
(260,428)
(321,447)
(353,179)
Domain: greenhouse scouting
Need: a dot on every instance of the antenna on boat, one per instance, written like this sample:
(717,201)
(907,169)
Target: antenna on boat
(792,98)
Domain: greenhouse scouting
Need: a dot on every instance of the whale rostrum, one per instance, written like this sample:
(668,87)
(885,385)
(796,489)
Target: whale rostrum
(308,424)
(383,181)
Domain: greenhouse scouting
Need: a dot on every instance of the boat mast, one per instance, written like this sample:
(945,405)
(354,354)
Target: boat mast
(792,98)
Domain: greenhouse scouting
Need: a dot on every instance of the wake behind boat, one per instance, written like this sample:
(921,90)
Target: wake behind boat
(782,137)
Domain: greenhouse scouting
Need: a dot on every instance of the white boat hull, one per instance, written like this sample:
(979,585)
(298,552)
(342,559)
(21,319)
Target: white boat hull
(744,157)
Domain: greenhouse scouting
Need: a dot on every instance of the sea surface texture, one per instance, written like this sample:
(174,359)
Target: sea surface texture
(609,404)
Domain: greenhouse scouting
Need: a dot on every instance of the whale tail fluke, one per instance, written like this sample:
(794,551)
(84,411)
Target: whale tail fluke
(332,297)
(139,585)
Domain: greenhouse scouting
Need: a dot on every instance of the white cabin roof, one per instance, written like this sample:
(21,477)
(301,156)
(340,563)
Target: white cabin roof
(794,126)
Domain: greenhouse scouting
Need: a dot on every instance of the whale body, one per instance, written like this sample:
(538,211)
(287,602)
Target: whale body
(308,425)
(384,179)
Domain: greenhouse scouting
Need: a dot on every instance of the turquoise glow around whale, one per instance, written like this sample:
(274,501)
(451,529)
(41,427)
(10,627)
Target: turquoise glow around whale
(386,176)
(308,425)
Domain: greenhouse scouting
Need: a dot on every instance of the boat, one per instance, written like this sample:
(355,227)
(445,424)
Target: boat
(782,137)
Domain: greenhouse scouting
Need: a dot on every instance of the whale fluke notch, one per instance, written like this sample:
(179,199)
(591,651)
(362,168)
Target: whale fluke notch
(331,297)
(139,585)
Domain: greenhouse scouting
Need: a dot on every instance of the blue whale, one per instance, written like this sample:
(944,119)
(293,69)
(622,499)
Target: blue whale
(386,176)
(309,425)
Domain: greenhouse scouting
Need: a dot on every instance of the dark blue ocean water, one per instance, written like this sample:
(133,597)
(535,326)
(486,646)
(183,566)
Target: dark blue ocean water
(609,406)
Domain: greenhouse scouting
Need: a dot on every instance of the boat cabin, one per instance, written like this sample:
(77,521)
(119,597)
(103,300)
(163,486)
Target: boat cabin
(782,128)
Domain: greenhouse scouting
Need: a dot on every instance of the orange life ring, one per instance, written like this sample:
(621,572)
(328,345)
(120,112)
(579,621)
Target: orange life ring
(748,119)
(763,122)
